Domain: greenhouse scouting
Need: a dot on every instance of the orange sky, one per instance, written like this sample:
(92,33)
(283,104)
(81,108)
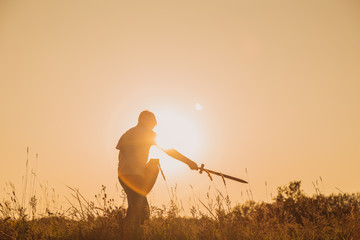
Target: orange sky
(278,81)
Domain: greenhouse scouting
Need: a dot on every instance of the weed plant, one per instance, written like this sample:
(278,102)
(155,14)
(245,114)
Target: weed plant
(291,215)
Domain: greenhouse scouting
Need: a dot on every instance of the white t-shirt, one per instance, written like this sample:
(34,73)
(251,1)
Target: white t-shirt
(134,146)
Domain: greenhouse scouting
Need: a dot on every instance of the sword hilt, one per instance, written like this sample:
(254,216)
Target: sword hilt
(201,168)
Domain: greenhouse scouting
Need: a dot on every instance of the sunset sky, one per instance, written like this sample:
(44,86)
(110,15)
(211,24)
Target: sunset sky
(268,86)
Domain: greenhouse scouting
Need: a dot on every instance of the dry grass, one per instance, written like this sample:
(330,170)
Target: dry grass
(291,215)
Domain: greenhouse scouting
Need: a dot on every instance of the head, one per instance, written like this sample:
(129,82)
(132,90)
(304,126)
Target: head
(147,119)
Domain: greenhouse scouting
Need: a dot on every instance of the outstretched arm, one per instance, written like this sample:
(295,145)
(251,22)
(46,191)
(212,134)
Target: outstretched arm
(178,156)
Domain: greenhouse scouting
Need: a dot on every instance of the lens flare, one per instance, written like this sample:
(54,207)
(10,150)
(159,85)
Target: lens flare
(198,106)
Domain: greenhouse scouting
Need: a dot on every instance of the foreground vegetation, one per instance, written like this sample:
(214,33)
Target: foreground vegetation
(291,215)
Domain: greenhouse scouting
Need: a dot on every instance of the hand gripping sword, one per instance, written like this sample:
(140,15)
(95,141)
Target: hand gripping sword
(201,169)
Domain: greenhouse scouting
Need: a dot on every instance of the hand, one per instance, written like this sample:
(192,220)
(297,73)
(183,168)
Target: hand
(192,165)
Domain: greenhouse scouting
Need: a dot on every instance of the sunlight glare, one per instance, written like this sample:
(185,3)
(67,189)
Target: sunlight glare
(175,130)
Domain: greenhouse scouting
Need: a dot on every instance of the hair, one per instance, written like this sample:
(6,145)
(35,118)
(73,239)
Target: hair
(147,117)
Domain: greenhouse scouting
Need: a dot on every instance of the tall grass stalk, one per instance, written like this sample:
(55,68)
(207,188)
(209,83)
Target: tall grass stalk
(25,179)
(291,215)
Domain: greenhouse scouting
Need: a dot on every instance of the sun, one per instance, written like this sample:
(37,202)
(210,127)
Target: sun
(177,130)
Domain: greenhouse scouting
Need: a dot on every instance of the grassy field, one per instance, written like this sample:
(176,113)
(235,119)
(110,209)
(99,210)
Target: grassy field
(290,215)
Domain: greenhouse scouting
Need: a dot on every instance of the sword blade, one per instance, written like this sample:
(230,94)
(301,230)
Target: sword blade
(225,176)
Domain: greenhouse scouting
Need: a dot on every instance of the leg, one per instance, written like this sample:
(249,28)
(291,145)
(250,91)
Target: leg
(138,208)
(131,200)
(144,209)
(136,189)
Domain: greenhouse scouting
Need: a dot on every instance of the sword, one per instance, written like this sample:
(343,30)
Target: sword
(175,154)
(208,171)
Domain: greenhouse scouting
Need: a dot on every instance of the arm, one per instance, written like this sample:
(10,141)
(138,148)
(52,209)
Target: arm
(178,156)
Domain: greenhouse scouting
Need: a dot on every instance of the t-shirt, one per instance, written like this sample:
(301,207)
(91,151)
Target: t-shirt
(134,146)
